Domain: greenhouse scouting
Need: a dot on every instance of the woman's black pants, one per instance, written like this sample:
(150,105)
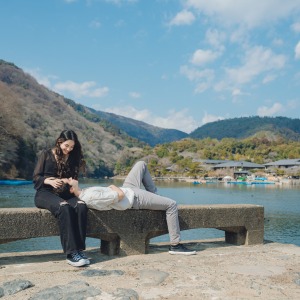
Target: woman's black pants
(72,218)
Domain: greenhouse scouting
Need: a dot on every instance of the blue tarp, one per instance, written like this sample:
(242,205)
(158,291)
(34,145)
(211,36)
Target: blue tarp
(14,182)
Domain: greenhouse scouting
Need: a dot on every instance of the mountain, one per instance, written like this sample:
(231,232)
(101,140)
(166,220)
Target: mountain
(151,135)
(32,117)
(240,128)
(142,131)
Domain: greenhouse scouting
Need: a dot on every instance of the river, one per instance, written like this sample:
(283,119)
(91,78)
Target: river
(281,203)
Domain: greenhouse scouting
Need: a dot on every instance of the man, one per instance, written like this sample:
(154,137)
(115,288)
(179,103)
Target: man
(131,195)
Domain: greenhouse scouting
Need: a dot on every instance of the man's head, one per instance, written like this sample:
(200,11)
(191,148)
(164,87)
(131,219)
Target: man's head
(74,186)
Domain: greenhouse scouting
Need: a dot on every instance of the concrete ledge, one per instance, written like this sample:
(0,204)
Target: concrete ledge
(128,232)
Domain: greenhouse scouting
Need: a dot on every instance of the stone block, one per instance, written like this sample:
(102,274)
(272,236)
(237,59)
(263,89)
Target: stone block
(128,232)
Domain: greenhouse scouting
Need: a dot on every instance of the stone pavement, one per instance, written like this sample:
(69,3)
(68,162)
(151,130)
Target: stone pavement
(218,271)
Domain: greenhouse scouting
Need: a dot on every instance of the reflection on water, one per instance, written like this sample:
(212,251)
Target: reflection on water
(40,244)
(281,203)
(283,228)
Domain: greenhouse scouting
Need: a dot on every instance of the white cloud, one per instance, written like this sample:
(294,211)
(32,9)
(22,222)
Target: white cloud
(222,86)
(293,104)
(210,118)
(87,89)
(239,35)
(248,13)
(202,57)
(297,78)
(297,51)
(179,120)
(215,38)
(141,34)
(120,23)
(201,87)
(119,2)
(277,42)
(269,78)
(238,96)
(236,92)
(296,27)
(258,60)
(130,112)
(193,75)
(203,78)
(270,111)
(135,95)
(41,79)
(95,24)
(183,18)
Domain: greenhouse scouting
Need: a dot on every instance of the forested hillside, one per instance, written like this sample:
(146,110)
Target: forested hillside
(183,156)
(245,127)
(31,118)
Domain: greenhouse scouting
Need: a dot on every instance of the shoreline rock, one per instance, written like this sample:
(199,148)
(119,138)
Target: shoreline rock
(218,271)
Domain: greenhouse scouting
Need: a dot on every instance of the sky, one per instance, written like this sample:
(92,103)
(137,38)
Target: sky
(171,63)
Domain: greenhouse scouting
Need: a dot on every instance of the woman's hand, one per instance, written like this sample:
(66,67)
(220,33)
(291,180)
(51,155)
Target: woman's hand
(55,182)
(66,180)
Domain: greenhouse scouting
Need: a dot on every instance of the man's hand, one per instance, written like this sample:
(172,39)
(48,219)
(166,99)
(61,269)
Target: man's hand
(118,190)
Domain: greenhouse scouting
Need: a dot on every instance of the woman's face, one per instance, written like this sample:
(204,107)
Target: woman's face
(67,146)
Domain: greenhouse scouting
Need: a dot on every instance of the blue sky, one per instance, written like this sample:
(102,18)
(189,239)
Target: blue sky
(171,63)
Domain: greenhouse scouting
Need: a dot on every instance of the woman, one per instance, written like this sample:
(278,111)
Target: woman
(131,195)
(53,170)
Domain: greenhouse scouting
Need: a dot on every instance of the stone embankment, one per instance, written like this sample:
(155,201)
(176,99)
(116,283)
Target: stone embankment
(218,271)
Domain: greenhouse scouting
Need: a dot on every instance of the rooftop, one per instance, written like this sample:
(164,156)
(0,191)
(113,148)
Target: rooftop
(239,164)
(285,162)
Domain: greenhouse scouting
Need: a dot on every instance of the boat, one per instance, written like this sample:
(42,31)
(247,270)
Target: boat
(211,180)
(14,182)
(262,182)
(250,182)
(239,182)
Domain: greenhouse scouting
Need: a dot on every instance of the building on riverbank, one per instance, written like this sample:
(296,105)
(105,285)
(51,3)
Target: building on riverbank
(285,163)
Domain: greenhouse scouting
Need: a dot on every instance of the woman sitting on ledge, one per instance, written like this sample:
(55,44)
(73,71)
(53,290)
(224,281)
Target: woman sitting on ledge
(52,172)
(131,195)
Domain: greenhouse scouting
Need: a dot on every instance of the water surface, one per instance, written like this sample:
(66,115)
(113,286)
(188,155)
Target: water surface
(281,203)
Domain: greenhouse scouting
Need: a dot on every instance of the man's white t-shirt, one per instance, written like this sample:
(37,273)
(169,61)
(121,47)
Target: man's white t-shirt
(104,198)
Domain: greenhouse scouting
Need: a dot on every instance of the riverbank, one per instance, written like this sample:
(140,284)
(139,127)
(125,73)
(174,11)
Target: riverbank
(281,181)
(218,271)
(269,180)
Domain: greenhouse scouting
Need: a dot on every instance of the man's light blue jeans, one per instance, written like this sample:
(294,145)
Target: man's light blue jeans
(148,199)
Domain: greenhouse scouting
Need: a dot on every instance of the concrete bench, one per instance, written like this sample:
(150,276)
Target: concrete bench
(128,232)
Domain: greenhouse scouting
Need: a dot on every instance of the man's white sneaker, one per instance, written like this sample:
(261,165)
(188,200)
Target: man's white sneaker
(181,249)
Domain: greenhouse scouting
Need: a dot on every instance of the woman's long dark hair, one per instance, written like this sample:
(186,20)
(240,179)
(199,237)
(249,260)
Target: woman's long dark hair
(75,162)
